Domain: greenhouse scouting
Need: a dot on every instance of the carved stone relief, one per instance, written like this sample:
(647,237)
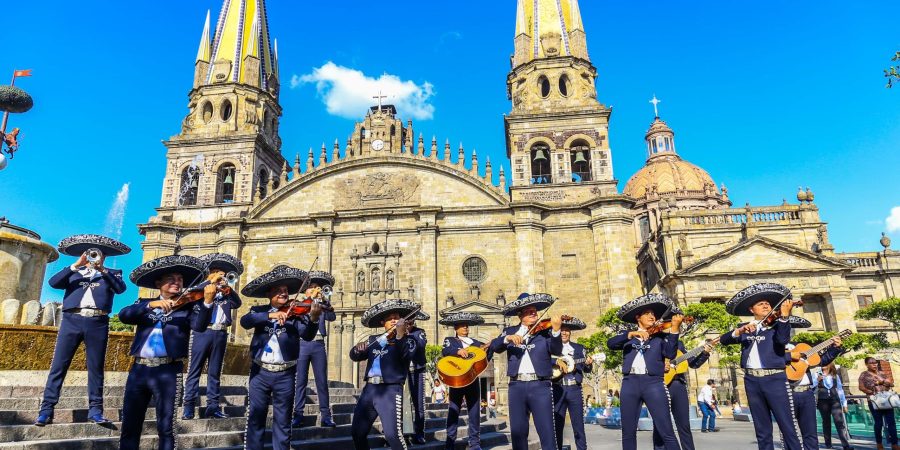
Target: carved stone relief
(380,189)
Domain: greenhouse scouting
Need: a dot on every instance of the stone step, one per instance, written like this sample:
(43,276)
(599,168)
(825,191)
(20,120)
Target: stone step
(20,404)
(308,438)
(74,415)
(77,391)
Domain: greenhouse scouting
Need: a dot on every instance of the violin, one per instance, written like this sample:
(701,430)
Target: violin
(303,306)
(195,294)
(659,327)
(775,313)
(544,324)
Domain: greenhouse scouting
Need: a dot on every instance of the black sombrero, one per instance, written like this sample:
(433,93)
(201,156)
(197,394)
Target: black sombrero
(659,303)
(422,315)
(281,275)
(799,322)
(539,301)
(462,318)
(321,278)
(573,324)
(373,316)
(146,275)
(224,262)
(740,304)
(80,243)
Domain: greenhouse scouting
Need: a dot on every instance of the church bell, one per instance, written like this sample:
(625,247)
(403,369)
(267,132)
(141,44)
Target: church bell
(579,158)
(539,156)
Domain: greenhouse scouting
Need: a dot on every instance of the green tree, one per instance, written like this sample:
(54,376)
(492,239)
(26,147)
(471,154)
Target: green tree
(887,310)
(432,355)
(712,318)
(892,73)
(115,324)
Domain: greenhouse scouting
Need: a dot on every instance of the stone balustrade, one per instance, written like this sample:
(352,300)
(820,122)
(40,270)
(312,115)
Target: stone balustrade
(862,260)
(761,216)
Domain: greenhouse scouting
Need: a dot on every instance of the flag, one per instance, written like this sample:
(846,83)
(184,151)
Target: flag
(22,73)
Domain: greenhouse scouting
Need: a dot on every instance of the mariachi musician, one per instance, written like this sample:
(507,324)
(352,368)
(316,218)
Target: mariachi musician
(762,358)
(417,377)
(804,390)
(529,357)
(209,345)
(678,395)
(90,288)
(387,357)
(160,343)
(567,394)
(645,351)
(456,346)
(314,352)
(275,349)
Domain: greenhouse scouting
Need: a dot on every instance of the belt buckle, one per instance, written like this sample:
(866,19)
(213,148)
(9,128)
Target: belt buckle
(375,380)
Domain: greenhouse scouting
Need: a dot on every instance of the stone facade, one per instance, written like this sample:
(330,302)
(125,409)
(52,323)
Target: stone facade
(392,216)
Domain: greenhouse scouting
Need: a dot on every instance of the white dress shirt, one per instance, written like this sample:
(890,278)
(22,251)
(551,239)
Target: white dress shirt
(568,350)
(271,353)
(526,366)
(219,312)
(87,300)
(753,361)
(466,341)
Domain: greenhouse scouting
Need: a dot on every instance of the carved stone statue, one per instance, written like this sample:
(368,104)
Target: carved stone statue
(360,282)
(376,279)
(389,280)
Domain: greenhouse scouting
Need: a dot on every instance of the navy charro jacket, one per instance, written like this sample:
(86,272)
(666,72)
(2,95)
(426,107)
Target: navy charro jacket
(540,347)
(580,367)
(289,335)
(827,356)
(228,303)
(770,344)
(452,345)
(659,347)
(104,286)
(327,316)
(395,357)
(177,325)
(418,358)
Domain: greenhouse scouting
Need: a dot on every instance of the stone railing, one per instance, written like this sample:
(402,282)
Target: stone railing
(787,214)
(862,260)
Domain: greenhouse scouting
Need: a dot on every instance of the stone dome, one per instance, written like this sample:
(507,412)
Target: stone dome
(669,174)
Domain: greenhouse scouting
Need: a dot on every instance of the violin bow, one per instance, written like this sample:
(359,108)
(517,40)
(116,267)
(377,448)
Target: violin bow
(538,321)
(305,281)
(413,313)
(775,308)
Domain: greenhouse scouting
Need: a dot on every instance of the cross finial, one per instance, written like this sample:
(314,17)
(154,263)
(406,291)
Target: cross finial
(656,103)
(379,97)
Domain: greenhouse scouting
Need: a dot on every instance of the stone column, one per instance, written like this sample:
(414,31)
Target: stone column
(428,289)
(336,350)
(529,250)
(614,246)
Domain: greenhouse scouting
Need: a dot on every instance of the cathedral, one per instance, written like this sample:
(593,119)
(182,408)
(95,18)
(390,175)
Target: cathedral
(392,215)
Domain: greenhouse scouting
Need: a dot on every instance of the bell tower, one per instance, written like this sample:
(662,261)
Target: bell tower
(227,154)
(557,132)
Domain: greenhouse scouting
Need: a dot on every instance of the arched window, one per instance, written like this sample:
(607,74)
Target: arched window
(580,157)
(225,180)
(227,109)
(564,85)
(540,164)
(263,183)
(544,85)
(207,112)
(190,179)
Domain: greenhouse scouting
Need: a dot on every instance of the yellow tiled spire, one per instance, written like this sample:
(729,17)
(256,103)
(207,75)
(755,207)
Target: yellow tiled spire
(203,53)
(553,28)
(243,30)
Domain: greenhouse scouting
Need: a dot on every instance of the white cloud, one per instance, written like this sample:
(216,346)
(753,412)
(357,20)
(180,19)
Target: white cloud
(893,220)
(349,93)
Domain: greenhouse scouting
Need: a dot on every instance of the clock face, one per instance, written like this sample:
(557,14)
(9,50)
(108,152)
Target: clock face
(377,144)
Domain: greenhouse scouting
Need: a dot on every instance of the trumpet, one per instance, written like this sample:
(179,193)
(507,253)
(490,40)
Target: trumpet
(94,255)
(231,278)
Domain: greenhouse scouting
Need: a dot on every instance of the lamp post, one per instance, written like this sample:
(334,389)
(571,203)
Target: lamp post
(12,100)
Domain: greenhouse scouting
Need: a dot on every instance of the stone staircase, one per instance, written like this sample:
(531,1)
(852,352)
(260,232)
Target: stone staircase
(70,431)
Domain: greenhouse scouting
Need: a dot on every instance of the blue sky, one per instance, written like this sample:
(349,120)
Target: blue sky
(764,95)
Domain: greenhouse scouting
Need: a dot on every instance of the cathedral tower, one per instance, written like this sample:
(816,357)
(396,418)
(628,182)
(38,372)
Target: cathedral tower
(228,151)
(557,132)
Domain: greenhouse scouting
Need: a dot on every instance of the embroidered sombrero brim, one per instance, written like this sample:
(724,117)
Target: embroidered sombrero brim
(799,322)
(80,243)
(673,312)
(422,315)
(660,305)
(573,324)
(539,301)
(321,278)
(373,316)
(146,275)
(462,318)
(223,261)
(281,275)
(740,304)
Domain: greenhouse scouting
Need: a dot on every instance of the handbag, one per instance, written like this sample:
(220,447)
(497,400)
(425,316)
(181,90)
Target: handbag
(885,400)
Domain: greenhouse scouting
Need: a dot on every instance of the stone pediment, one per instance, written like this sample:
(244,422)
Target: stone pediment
(389,181)
(760,254)
(475,307)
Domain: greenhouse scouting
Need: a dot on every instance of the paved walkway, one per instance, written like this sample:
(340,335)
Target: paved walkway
(733,436)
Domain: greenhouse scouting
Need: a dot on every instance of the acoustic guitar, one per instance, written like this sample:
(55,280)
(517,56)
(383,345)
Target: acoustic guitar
(804,356)
(458,372)
(681,361)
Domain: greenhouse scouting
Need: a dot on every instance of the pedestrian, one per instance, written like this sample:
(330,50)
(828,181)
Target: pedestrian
(492,405)
(438,392)
(871,382)
(706,400)
(832,403)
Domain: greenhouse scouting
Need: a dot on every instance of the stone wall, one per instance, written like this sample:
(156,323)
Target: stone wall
(23,262)
(30,347)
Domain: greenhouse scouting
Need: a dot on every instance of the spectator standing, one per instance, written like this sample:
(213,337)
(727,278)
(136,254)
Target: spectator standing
(707,402)
(871,382)
(832,403)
